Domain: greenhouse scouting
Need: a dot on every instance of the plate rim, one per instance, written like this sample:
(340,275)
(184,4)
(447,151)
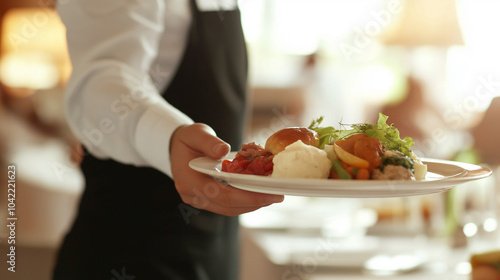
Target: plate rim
(384,188)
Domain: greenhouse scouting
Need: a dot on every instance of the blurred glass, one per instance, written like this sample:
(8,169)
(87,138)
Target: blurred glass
(478,216)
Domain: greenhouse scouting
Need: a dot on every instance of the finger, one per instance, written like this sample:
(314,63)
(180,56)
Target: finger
(205,141)
(231,211)
(203,202)
(76,154)
(233,197)
(215,208)
(222,195)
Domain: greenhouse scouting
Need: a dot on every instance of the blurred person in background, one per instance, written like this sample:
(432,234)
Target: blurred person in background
(409,113)
(152,82)
(486,134)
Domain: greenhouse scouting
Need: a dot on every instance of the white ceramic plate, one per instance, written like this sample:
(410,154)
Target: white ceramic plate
(442,175)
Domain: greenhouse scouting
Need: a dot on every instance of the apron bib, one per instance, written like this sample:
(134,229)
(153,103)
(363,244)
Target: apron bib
(129,221)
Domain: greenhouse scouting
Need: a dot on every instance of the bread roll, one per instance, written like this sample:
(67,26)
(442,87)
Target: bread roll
(282,138)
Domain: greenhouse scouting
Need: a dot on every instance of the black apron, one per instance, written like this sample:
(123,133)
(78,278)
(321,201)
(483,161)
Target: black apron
(130,223)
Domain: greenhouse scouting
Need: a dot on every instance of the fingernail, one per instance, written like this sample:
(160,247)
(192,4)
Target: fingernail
(275,199)
(221,148)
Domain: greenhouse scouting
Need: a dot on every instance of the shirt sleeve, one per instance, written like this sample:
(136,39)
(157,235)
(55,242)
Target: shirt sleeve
(112,104)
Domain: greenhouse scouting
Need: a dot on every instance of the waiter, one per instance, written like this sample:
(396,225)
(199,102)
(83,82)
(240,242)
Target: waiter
(152,82)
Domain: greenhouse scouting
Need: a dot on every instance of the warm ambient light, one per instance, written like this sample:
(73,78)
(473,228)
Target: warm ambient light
(425,22)
(34,51)
(30,70)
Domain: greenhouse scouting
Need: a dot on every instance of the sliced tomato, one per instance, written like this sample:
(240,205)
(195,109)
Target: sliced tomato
(257,166)
(269,167)
(237,165)
(260,165)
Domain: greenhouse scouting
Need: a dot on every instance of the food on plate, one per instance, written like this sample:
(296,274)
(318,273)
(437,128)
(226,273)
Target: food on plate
(284,137)
(250,159)
(392,172)
(419,166)
(370,151)
(394,166)
(299,160)
(362,152)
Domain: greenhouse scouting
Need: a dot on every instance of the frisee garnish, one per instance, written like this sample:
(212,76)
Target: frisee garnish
(387,134)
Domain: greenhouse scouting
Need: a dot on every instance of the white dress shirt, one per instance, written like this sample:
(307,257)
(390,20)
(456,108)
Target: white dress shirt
(124,54)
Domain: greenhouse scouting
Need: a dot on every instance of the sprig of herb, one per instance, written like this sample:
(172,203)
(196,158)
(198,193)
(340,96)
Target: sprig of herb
(387,134)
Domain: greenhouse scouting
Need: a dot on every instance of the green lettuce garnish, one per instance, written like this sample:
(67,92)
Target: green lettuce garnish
(387,134)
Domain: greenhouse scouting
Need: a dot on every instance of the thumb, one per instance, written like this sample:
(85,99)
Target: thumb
(202,138)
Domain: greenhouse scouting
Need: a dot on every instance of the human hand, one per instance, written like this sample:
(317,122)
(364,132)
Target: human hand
(76,153)
(200,190)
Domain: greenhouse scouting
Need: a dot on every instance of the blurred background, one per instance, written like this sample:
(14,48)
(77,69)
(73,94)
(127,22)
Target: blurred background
(432,66)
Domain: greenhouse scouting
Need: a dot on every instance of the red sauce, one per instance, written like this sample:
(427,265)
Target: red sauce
(251,159)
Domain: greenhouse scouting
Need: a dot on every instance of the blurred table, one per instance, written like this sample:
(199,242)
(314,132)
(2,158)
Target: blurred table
(270,254)
(316,239)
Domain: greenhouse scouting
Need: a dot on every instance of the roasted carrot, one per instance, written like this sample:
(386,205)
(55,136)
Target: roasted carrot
(363,174)
(333,175)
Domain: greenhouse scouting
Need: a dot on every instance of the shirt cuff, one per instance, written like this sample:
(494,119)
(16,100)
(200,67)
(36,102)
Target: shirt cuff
(153,133)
